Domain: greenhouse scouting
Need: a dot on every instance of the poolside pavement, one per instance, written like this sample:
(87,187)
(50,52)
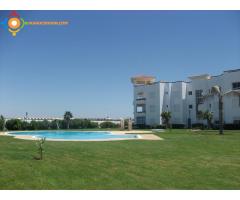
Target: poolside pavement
(2,133)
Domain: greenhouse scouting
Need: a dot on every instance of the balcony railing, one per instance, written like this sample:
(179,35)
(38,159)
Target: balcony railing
(140,99)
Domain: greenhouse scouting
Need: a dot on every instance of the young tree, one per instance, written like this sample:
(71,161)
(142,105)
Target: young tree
(166,116)
(40,148)
(67,117)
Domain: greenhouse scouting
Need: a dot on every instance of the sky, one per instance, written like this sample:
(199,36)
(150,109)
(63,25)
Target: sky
(86,66)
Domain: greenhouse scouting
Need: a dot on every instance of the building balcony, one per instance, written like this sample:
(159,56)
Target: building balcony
(141,99)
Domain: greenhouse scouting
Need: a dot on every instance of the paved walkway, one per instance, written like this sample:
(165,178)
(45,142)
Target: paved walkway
(2,133)
(149,137)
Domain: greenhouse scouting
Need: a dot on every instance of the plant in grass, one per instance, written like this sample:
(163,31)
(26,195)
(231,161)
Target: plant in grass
(166,117)
(206,115)
(40,148)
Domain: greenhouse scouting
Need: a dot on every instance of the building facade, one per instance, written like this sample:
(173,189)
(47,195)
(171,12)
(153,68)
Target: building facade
(186,99)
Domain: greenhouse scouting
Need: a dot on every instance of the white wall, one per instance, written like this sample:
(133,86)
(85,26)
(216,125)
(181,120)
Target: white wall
(174,97)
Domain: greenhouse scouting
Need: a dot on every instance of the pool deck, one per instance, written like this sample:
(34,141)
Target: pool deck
(142,135)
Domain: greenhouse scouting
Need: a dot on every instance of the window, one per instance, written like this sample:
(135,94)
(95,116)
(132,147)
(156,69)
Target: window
(239,101)
(141,108)
(190,106)
(190,93)
(166,93)
(140,96)
(236,85)
(141,120)
(199,100)
(199,97)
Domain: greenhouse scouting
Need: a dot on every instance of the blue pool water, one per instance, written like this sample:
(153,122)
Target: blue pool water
(73,135)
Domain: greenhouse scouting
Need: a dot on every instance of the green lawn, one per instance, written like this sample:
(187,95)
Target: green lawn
(183,160)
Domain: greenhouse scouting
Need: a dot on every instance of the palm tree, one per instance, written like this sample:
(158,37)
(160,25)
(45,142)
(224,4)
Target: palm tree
(216,90)
(67,117)
(166,116)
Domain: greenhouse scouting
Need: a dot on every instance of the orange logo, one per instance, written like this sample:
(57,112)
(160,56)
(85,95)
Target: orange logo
(14,23)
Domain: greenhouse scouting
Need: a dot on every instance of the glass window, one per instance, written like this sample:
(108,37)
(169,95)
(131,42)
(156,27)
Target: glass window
(236,85)
(141,120)
(140,108)
(190,106)
(190,93)
(140,95)
(199,100)
(199,97)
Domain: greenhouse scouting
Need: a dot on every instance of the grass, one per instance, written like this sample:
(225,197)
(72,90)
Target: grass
(183,160)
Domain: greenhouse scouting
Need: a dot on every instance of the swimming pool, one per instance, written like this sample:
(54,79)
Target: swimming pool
(73,135)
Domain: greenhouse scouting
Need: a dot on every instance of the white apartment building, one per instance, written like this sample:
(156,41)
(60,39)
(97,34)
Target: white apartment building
(184,99)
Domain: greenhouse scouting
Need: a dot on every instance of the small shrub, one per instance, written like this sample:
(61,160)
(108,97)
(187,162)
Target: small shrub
(55,124)
(109,125)
(198,126)
(25,125)
(14,124)
(43,125)
(178,126)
